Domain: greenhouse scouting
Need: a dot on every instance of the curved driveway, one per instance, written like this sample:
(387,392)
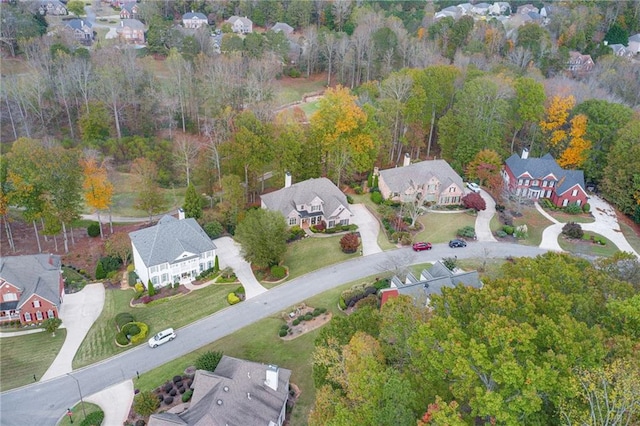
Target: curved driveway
(45,402)
(228,252)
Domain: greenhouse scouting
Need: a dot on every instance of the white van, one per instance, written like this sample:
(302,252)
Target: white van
(162,337)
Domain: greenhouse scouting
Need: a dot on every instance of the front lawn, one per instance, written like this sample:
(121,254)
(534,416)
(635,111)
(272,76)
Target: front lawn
(631,235)
(563,217)
(23,356)
(313,253)
(78,412)
(442,227)
(536,224)
(586,247)
(179,311)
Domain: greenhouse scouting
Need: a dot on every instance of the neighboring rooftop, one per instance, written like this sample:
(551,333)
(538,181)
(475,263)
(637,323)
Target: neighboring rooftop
(287,199)
(546,165)
(398,179)
(33,274)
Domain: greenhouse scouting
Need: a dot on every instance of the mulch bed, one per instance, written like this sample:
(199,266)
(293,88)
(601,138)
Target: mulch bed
(162,293)
(306,326)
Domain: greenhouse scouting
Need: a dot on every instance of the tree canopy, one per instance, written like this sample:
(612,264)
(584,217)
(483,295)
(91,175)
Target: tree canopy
(263,236)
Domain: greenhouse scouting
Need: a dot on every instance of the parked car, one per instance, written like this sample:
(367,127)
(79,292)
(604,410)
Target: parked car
(421,246)
(163,337)
(473,186)
(457,243)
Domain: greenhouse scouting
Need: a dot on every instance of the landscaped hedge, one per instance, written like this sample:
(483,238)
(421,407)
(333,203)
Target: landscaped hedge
(121,338)
(144,330)
(93,419)
(466,232)
(573,230)
(123,318)
(278,272)
(573,208)
(130,329)
(350,297)
(232,298)
(187,396)
(93,230)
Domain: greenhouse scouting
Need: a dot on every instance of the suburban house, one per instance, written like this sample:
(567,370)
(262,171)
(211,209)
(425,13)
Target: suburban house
(238,392)
(281,26)
(52,7)
(82,30)
(240,25)
(174,250)
(621,50)
(433,180)
(131,31)
(309,202)
(129,10)
(31,287)
(194,20)
(634,44)
(431,282)
(579,63)
(526,8)
(543,178)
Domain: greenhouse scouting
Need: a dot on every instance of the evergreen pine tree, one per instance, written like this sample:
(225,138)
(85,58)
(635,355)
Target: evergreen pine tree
(216,265)
(150,289)
(192,206)
(100,273)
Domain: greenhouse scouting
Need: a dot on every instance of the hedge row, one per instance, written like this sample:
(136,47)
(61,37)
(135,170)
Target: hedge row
(350,297)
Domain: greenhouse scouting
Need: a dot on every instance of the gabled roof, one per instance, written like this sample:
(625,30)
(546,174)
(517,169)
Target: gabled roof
(281,26)
(435,279)
(245,21)
(194,15)
(234,394)
(286,199)
(129,6)
(78,24)
(635,37)
(33,274)
(539,168)
(131,23)
(170,238)
(398,179)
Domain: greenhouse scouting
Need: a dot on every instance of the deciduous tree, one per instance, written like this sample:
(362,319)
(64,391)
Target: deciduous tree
(149,198)
(473,200)
(263,235)
(98,191)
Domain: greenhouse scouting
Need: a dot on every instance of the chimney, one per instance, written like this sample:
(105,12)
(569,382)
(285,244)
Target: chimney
(180,213)
(121,23)
(272,377)
(407,160)
(50,259)
(287,179)
(525,153)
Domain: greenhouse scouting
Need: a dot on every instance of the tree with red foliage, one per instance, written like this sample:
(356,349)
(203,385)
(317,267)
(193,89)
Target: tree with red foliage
(349,243)
(474,201)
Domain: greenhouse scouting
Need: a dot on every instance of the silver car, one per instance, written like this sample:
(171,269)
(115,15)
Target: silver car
(163,337)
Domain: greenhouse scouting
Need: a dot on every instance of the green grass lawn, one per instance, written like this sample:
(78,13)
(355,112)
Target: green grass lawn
(124,196)
(259,342)
(100,344)
(442,227)
(536,223)
(309,254)
(291,90)
(631,235)
(563,217)
(309,108)
(585,247)
(79,410)
(23,356)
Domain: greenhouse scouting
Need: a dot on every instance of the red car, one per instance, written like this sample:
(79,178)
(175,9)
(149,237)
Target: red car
(421,246)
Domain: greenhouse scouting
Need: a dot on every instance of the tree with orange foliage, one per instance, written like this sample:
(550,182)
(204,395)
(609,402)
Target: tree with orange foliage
(565,139)
(555,123)
(576,153)
(442,414)
(98,191)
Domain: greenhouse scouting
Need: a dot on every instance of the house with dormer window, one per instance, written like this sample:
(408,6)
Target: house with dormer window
(31,288)
(173,251)
(309,202)
(536,178)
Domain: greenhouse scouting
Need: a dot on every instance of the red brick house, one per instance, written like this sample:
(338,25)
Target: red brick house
(31,288)
(536,178)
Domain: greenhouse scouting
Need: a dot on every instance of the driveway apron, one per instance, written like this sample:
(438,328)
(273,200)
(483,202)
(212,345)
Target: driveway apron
(368,227)
(228,252)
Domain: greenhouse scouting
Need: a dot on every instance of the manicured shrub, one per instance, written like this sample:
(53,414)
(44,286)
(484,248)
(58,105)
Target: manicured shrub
(376,197)
(216,264)
(466,232)
(177,379)
(295,233)
(142,335)
(239,290)
(93,230)
(208,361)
(308,317)
(283,333)
(145,403)
(130,329)
(321,226)
(132,278)
(296,321)
(473,200)
(232,298)
(168,386)
(316,312)
(168,400)
(173,392)
(501,234)
(573,230)
(371,300)
(350,198)
(140,423)
(151,290)
(349,243)
(450,262)
(508,229)
(110,263)
(121,338)
(100,273)
(123,318)
(213,229)
(341,303)
(284,327)
(586,208)
(278,272)
(521,232)
(93,419)
(573,208)
(187,395)
(182,390)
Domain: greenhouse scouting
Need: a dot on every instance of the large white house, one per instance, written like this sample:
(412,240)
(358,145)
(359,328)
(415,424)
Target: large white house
(171,251)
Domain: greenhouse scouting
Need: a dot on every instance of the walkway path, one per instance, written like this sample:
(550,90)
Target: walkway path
(228,252)
(551,233)
(483,220)
(78,313)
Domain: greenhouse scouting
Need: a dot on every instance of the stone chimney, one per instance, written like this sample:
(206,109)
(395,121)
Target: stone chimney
(407,160)
(180,213)
(287,179)
(272,377)
(525,153)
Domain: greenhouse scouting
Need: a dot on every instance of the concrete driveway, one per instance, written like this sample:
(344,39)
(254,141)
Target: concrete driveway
(228,252)
(78,313)
(483,220)
(607,224)
(368,227)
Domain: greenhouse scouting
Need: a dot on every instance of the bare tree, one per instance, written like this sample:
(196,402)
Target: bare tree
(310,51)
(341,10)
(185,150)
(329,44)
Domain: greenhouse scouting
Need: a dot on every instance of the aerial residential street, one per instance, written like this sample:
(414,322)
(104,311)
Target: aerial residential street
(44,403)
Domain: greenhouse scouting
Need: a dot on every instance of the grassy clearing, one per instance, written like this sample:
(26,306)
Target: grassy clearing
(536,224)
(259,342)
(309,254)
(156,67)
(309,108)
(631,235)
(176,312)
(440,228)
(293,89)
(23,356)
(586,247)
(125,193)
(563,217)
(79,410)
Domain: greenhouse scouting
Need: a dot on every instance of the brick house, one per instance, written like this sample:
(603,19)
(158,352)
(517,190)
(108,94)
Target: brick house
(131,31)
(537,178)
(129,11)
(31,288)
(579,64)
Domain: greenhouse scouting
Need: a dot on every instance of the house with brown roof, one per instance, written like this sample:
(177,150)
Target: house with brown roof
(579,64)
(31,288)
(238,392)
(432,180)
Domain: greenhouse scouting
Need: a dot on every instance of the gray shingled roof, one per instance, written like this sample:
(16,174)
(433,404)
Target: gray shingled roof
(131,23)
(437,278)
(77,24)
(245,21)
(281,26)
(398,178)
(541,167)
(33,274)
(286,199)
(170,238)
(191,15)
(234,394)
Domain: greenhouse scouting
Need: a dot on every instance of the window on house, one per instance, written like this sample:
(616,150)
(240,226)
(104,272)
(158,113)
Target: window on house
(27,316)
(452,189)
(201,267)
(39,316)
(344,222)
(50,314)
(315,208)
(154,280)
(165,278)
(332,223)
(565,202)
(526,182)
(313,220)
(519,181)
(154,269)
(552,184)
(292,221)
(578,202)
(534,183)
(36,303)
(9,297)
(574,192)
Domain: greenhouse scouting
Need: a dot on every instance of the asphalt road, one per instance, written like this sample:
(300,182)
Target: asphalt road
(44,403)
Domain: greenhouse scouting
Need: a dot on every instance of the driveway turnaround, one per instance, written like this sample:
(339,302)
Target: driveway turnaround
(229,256)
(368,227)
(483,220)
(78,313)
(606,224)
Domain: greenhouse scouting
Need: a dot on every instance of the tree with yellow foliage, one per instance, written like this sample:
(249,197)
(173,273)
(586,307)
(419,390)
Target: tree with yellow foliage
(555,123)
(566,139)
(575,154)
(98,191)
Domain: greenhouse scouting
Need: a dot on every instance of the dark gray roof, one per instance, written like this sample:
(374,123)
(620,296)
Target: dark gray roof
(398,178)
(541,167)
(78,24)
(281,26)
(235,394)
(435,279)
(131,23)
(286,199)
(33,274)
(129,6)
(170,238)
(192,15)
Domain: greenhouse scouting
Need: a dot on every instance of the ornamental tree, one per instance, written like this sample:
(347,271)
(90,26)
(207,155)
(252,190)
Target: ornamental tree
(263,235)
(473,200)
